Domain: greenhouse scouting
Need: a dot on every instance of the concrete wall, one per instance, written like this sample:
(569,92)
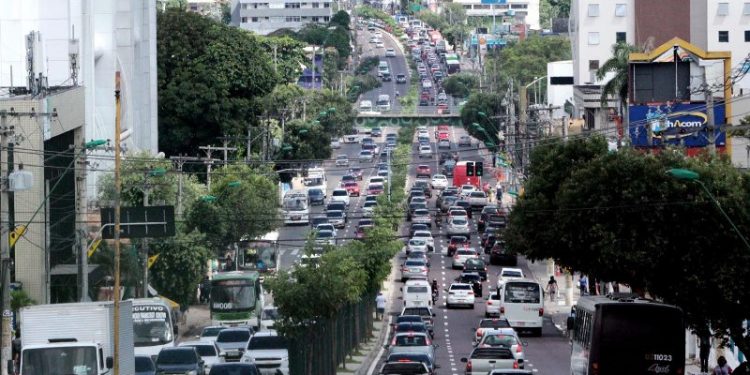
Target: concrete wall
(558,94)
(735,23)
(659,21)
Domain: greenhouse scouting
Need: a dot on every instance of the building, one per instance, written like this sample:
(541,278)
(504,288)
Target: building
(310,79)
(266,16)
(559,86)
(523,11)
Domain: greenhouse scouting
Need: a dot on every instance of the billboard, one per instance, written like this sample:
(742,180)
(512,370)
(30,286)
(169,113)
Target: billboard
(674,124)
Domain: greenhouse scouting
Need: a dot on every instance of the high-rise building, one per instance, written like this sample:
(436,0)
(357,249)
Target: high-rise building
(526,11)
(266,16)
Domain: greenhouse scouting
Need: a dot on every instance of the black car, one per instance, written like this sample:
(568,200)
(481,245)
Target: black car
(144,365)
(446,155)
(376,132)
(316,197)
(448,167)
(182,360)
(478,266)
(402,368)
(414,357)
(425,186)
(410,327)
(485,215)
(336,206)
(234,369)
(499,254)
(400,78)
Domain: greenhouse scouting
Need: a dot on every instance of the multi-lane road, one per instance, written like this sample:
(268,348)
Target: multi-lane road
(397,64)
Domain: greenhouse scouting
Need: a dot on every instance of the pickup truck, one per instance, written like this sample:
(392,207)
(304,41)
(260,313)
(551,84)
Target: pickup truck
(483,360)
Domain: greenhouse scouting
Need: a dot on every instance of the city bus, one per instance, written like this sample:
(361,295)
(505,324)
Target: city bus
(236,298)
(460,177)
(260,254)
(623,334)
(154,326)
(296,207)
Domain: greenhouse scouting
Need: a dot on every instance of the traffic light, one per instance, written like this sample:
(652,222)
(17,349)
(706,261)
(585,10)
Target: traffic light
(469,169)
(479,169)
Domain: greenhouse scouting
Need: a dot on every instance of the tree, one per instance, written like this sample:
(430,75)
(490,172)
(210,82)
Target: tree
(305,141)
(340,19)
(19,299)
(461,85)
(332,110)
(287,56)
(210,76)
(180,267)
(619,217)
(617,87)
(526,60)
(487,103)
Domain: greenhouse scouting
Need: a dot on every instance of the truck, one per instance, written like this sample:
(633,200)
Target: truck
(154,326)
(76,338)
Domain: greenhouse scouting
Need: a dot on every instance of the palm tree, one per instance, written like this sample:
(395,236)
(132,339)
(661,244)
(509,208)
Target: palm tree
(617,64)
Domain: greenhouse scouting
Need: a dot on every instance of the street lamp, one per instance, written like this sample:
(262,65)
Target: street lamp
(688,175)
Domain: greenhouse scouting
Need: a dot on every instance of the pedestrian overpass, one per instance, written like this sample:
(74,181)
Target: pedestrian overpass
(382,120)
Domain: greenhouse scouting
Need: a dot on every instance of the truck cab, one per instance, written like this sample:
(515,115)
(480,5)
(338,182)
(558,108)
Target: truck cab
(66,356)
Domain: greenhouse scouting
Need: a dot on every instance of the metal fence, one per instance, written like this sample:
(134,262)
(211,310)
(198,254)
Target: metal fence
(325,345)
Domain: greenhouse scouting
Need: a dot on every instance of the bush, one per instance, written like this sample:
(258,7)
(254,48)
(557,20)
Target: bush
(367,64)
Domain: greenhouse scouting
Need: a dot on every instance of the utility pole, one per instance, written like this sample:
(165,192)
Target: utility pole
(180,162)
(116,291)
(710,117)
(209,161)
(225,140)
(523,122)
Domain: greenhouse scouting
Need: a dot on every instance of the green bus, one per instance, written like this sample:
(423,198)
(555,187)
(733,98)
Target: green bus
(236,298)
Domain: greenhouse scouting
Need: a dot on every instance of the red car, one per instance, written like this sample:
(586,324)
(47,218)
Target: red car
(374,189)
(424,171)
(347,179)
(352,188)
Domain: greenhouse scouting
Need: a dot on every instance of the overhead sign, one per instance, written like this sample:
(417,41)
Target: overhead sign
(674,124)
(139,222)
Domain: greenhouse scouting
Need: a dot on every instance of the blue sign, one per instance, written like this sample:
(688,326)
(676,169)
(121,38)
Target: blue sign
(674,124)
(494,2)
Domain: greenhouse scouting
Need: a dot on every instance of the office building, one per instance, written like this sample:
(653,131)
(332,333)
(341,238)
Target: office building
(266,16)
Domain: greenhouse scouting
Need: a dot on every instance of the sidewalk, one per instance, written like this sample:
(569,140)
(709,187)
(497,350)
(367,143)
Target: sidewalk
(193,321)
(558,310)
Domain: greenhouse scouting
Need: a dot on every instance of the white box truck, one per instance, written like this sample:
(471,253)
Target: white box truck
(75,338)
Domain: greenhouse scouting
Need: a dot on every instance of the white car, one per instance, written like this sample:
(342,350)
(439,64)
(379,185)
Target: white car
(342,161)
(492,306)
(208,351)
(377,180)
(460,294)
(461,256)
(377,34)
(444,143)
(268,351)
(507,273)
(458,226)
(326,226)
(478,199)
(439,181)
(366,156)
(416,244)
(365,106)
(340,195)
(425,151)
(427,236)
(209,333)
(380,44)
(368,208)
(325,237)
(268,317)
(335,144)
(390,52)
(465,190)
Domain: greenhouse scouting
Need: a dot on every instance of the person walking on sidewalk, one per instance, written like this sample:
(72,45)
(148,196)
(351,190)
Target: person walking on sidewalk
(722,367)
(583,284)
(552,288)
(379,306)
(704,349)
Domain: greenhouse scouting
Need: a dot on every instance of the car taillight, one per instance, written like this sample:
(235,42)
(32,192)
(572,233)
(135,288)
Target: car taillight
(515,364)
(480,332)
(502,309)
(519,349)
(489,302)
(468,366)
(471,293)
(541,311)
(424,269)
(404,269)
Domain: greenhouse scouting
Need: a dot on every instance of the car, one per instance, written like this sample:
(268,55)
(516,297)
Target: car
(208,351)
(444,143)
(269,316)
(368,208)
(269,351)
(487,210)
(325,237)
(447,155)
(376,132)
(357,172)
(314,222)
(425,151)
(466,206)
(415,357)
(234,369)
(231,342)
(337,218)
(510,372)
(209,333)
(477,199)
(461,255)
(406,318)
(455,211)
(347,178)
(366,156)
(336,205)
(427,236)
(457,242)
(378,34)
(424,186)
(342,161)
(414,269)
(144,365)
(361,231)
(447,202)
(507,273)
(316,197)
(476,265)
(375,189)
(180,360)
(384,174)
(483,360)
(448,167)
(423,170)
(376,180)
(439,181)
(416,244)
(458,226)
(400,78)
(415,227)
(335,144)
(404,367)
(466,189)
(504,338)
(352,188)
(379,44)
(464,140)
(420,254)
(460,294)
(340,195)
(390,52)
(487,325)
(492,306)
(423,216)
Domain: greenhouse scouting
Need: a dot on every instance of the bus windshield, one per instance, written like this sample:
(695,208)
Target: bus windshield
(151,325)
(232,295)
(522,292)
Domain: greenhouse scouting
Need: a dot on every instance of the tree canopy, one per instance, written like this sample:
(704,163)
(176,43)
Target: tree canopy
(461,85)
(618,216)
(526,60)
(487,127)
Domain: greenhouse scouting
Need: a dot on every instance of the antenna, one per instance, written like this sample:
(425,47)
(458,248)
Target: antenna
(73,53)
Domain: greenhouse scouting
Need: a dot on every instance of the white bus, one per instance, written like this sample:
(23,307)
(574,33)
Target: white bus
(316,179)
(153,326)
(296,208)
(522,303)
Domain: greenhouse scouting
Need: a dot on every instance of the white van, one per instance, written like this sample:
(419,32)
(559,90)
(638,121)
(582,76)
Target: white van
(522,303)
(384,103)
(383,68)
(417,293)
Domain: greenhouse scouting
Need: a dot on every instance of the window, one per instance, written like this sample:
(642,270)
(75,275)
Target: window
(315,5)
(292,19)
(593,10)
(593,64)
(292,5)
(244,6)
(315,19)
(593,39)
(621,10)
(519,6)
(746,9)
(326,5)
(326,19)
(620,37)
(722,9)
(747,35)
(723,36)
(254,19)
(560,81)
(243,20)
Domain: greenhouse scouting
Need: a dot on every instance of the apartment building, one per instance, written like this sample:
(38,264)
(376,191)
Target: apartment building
(526,11)
(266,16)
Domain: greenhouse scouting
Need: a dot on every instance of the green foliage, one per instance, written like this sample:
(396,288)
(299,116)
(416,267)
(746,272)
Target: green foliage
(338,38)
(490,105)
(461,85)
(619,217)
(365,11)
(19,299)
(367,65)
(451,22)
(288,57)
(341,18)
(549,9)
(305,141)
(524,61)
(131,273)
(360,84)
(180,267)
(285,99)
(210,76)
(617,87)
(332,110)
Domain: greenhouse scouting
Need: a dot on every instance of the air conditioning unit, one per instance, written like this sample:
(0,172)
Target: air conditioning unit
(20,180)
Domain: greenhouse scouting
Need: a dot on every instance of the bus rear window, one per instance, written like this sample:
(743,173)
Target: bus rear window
(523,292)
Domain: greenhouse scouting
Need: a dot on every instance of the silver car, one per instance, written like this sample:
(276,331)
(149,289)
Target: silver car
(342,161)
(421,216)
(416,244)
(337,218)
(461,255)
(232,343)
(458,226)
(325,237)
(414,269)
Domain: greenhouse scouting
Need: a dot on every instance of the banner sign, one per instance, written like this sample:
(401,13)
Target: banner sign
(674,124)
(149,313)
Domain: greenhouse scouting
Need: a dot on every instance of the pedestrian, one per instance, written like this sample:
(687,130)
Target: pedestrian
(583,284)
(379,306)
(722,367)
(552,288)
(704,349)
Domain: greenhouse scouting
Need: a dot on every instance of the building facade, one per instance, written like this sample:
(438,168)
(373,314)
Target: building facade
(266,16)
(559,86)
(525,11)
